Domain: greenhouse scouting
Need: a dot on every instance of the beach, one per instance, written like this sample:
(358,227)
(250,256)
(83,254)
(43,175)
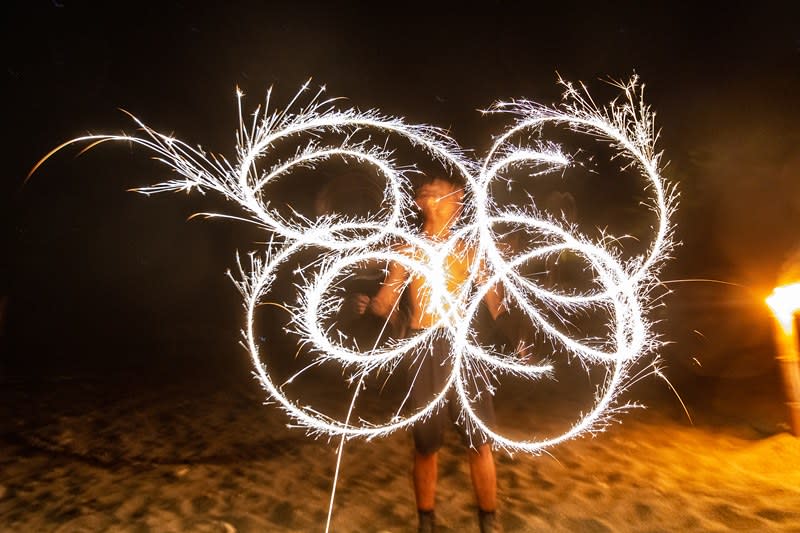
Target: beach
(198,451)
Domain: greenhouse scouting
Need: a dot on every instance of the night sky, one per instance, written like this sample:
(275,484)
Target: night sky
(101,280)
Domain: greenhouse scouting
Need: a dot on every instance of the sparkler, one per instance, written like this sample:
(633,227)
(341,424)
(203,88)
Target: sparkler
(622,287)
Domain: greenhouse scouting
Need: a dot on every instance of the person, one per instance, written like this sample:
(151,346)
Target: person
(439,201)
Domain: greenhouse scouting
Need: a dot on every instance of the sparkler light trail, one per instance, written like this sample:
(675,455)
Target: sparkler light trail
(621,289)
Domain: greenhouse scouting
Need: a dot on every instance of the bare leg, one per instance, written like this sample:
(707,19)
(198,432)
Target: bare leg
(425,480)
(484,480)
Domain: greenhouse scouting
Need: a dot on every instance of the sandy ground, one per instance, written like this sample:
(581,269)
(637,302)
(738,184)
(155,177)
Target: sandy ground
(199,452)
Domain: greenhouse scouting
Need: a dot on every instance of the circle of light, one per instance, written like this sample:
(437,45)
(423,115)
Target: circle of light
(626,124)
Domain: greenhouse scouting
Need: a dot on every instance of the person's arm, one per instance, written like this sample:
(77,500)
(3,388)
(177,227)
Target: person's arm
(384,303)
(494,300)
(494,296)
(501,314)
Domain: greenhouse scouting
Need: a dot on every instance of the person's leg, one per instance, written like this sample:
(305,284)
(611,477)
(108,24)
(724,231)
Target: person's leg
(425,473)
(481,466)
(428,435)
(481,460)
(484,483)
(484,478)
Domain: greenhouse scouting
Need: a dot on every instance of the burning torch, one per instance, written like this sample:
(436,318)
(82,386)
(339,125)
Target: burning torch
(785,304)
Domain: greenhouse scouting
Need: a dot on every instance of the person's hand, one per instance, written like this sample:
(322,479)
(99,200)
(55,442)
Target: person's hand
(357,303)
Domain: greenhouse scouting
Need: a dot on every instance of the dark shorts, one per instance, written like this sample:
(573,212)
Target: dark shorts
(428,370)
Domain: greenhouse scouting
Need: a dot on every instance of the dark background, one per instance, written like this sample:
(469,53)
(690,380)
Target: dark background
(102,281)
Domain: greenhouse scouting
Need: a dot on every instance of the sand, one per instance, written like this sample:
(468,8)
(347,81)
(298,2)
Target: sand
(199,452)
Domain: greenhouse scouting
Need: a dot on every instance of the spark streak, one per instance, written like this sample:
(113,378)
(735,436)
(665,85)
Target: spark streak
(623,287)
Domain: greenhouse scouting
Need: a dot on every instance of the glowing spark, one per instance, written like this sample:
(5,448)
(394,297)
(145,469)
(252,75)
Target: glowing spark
(623,286)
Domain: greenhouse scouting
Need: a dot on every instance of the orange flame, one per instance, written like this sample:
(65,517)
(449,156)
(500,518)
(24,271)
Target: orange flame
(785,303)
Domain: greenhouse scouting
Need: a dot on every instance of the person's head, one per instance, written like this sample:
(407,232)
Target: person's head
(440,201)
